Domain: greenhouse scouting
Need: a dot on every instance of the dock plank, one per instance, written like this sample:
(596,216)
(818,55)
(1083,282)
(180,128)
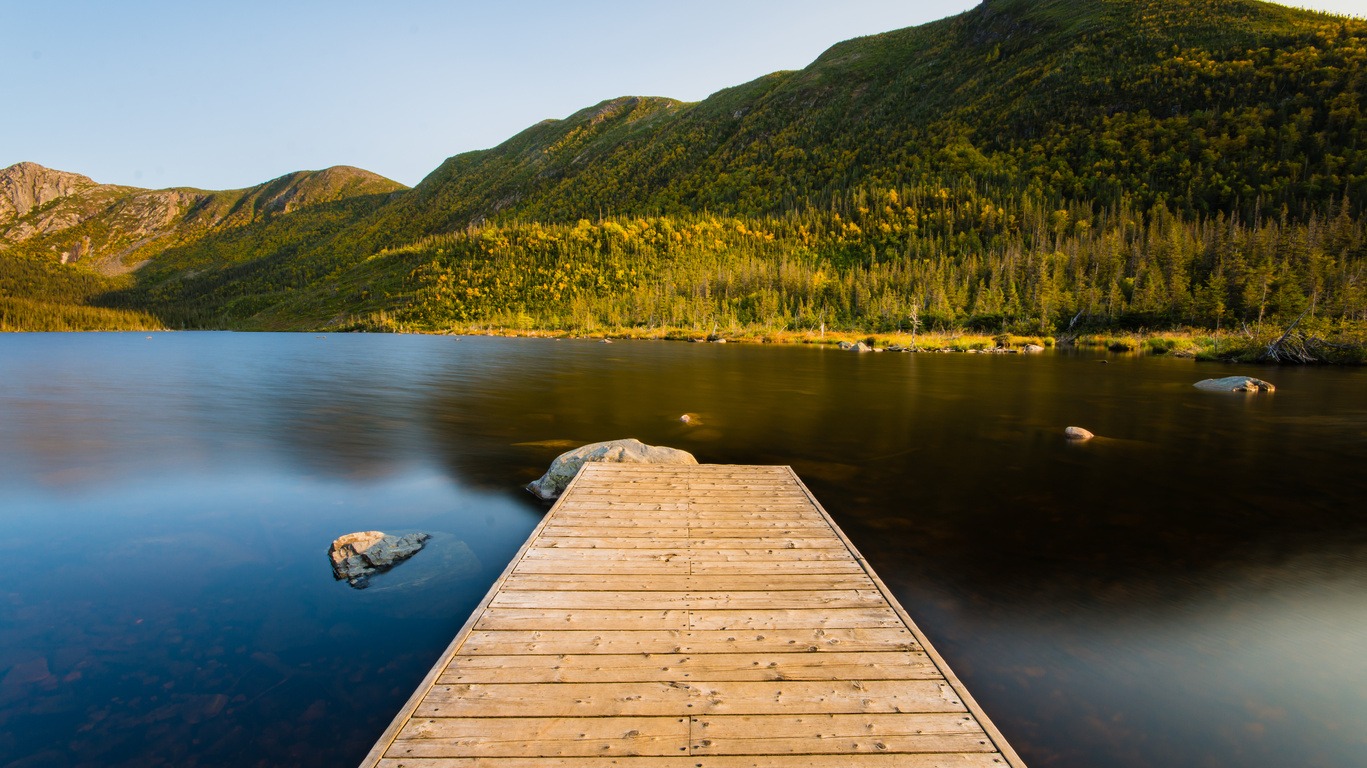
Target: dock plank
(709,582)
(534,642)
(690,617)
(541,736)
(837,734)
(601,567)
(581,600)
(700,547)
(937,760)
(562,666)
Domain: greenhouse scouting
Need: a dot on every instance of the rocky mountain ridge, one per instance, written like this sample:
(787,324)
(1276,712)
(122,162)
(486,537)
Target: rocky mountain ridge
(25,186)
(70,218)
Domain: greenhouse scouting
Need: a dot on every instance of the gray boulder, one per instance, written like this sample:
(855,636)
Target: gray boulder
(857,346)
(1235,384)
(1077,433)
(358,556)
(1032,348)
(628,451)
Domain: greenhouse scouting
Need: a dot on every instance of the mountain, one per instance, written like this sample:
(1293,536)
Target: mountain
(65,239)
(1204,105)
(115,228)
(26,186)
(1127,162)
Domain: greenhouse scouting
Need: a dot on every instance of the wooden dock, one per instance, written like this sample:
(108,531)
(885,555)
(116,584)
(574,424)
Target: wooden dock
(689,617)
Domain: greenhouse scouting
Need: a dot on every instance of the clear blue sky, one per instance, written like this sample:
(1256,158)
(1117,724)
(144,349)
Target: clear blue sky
(156,93)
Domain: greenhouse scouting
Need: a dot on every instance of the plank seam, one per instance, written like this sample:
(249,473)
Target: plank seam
(688,538)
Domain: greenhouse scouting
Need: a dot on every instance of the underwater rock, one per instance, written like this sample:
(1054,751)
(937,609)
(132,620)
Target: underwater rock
(1235,384)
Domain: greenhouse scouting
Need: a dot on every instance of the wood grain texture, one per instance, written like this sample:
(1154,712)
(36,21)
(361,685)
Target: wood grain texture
(690,617)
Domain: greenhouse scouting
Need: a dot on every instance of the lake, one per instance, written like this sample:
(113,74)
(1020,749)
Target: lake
(1188,589)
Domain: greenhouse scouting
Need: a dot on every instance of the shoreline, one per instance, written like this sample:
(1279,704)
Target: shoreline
(1343,347)
(1193,344)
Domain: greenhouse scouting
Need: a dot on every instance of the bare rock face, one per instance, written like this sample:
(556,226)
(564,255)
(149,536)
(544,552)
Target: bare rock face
(1077,433)
(358,556)
(628,451)
(25,186)
(1235,384)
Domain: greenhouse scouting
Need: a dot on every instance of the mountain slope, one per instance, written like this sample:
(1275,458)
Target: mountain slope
(65,240)
(112,229)
(1135,162)
(1203,105)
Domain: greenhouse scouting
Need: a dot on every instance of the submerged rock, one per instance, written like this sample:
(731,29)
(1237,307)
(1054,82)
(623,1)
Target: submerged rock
(358,556)
(1077,433)
(446,560)
(628,451)
(1235,384)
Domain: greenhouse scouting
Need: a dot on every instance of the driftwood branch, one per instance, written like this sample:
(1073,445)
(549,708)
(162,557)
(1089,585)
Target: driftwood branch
(1291,348)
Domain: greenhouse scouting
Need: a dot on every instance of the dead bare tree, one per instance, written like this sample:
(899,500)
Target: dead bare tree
(1069,336)
(1291,348)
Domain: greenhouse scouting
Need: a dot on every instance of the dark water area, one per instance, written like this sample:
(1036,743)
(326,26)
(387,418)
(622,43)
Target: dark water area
(1188,589)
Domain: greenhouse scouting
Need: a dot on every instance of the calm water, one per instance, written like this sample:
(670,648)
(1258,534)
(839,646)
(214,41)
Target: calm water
(1190,589)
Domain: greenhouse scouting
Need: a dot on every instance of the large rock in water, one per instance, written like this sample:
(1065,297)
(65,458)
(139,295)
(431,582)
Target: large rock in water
(1077,433)
(857,346)
(628,451)
(1235,384)
(358,556)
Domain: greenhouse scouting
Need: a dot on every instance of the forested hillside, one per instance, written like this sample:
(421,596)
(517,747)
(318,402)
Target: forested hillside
(1203,105)
(1022,166)
(66,241)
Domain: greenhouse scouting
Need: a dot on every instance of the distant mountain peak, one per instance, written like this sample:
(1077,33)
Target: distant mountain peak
(25,186)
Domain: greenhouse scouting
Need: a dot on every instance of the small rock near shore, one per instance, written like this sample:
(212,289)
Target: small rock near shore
(358,556)
(629,451)
(857,346)
(1077,433)
(1235,384)
(1032,348)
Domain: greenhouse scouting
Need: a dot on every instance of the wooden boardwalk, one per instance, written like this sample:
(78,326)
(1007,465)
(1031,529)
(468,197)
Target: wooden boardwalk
(689,617)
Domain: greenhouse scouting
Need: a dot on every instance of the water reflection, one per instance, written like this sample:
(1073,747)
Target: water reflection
(1186,589)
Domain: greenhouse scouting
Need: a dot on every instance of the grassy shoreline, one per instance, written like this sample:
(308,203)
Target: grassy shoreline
(1340,347)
